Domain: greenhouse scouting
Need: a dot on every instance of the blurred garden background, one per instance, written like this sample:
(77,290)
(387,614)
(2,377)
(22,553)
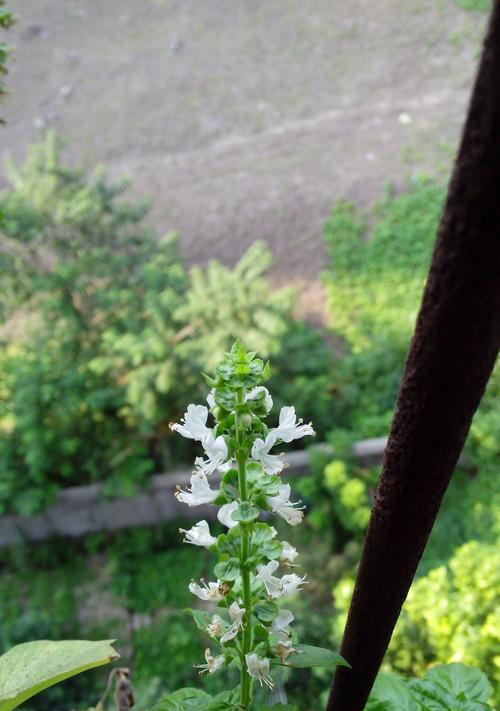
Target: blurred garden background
(177,175)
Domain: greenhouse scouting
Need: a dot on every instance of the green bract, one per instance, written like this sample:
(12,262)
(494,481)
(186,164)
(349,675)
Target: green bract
(240,475)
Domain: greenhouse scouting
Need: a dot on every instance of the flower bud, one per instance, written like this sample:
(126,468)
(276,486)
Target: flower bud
(246,420)
(219,413)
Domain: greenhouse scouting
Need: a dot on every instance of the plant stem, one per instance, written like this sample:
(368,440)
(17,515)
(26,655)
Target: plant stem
(246,642)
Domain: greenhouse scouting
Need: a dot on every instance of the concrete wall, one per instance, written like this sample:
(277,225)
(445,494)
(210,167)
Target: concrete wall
(82,509)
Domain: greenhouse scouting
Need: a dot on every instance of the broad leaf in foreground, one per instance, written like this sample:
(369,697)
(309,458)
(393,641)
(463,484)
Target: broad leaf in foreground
(391,693)
(29,668)
(461,680)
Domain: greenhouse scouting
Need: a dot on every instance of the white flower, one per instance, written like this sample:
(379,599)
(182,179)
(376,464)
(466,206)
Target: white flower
(281,505)
(224,514)
(213,591)
(258,667)
(288,554)
(216,450)
(268,401)
(276,587)
(280,628)
(199,535)
(211,399)
(274,532)
(236,614)
(213,663)
(194,423)
(281,623)
(216,626)
(272,584)
(289,429)
(271,463)
(200,492)
(292,583)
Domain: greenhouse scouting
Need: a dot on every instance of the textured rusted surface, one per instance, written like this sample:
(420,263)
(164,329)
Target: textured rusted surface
(451,357)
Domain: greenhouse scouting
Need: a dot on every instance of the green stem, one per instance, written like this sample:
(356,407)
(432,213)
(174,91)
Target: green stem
(246,643)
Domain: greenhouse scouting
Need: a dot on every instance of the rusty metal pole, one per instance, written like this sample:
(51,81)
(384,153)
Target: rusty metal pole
(450,360)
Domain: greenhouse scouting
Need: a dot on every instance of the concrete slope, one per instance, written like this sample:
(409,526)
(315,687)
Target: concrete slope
(245,120)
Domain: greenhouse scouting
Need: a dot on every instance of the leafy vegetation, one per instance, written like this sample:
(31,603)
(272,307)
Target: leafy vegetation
(7,19)
(105,331)
(89,285)
(451,686)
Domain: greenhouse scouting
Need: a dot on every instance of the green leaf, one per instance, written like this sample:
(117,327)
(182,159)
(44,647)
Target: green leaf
(221,499)
(227,544)
(460,679)
(432,697)
(225,371)
(228,569)
(261,533)
(308,656)
(280,707)
(184,700)
(230,477)
(391,693)
(201,618)
(226,701)
(267,483)
(271,549)
(29,668)
(245,513)
(266,611)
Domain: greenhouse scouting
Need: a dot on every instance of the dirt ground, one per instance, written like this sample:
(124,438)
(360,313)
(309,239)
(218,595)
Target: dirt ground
(246,119)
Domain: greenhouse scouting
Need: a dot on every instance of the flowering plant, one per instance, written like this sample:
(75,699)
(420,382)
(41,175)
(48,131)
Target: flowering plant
(250,631)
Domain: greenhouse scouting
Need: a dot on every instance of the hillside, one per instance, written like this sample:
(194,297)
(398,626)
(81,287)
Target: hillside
(245,120)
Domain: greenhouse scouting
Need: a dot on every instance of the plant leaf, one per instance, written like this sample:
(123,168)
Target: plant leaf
(184,700)
(228,569)
(433,697)
(460,679)
(226,701)
(266,611)
(29,668)
(200,617)
(262,532)
(308,656)
(391,693)
(245,513)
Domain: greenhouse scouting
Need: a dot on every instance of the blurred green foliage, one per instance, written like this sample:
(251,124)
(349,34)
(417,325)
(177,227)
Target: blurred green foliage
(7,19)
(375,280)
(131,586)
(475,5)
(104,333)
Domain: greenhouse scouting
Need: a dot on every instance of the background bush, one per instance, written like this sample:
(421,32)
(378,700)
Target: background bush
(105,332)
